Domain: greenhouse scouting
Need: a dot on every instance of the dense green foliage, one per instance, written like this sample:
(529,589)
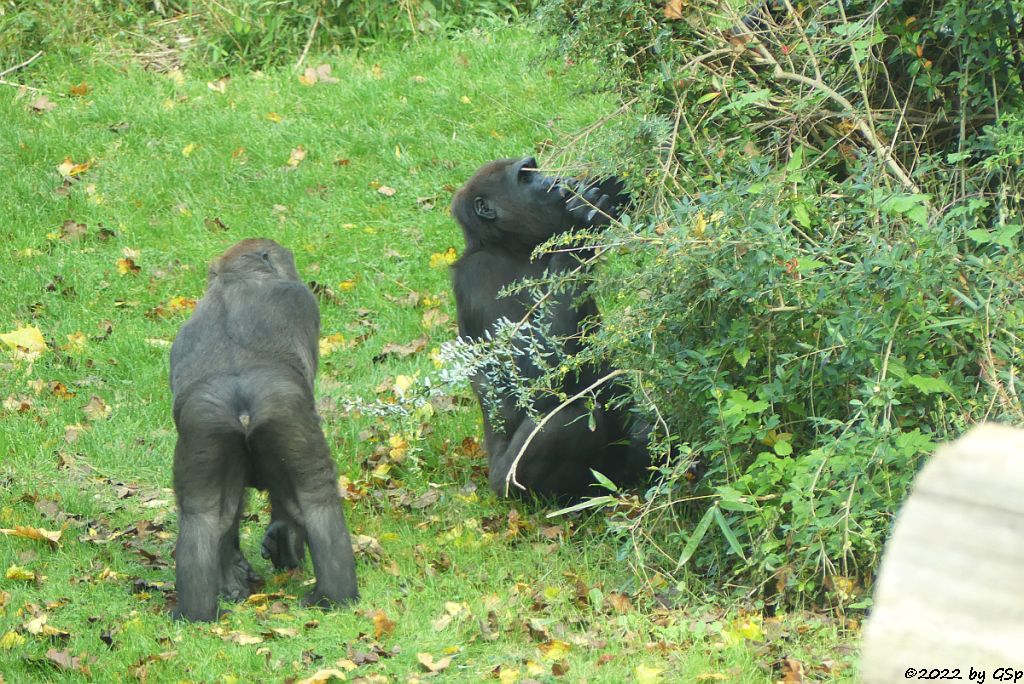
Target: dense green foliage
(227,33)
(823,277)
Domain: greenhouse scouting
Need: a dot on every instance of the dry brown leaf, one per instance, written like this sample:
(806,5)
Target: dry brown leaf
(792,671)
(382,625)
(42,104)
(80,90)
(323,676)
(297,155)
(126,266)
(220,85)
(386,191)
(96,409)
(242,638)
(323,74)
(433,318)
(431,665)
(404,349)
(365,545)
(674,9)
(72,432)
(620,603)
(67,662)
(72,230)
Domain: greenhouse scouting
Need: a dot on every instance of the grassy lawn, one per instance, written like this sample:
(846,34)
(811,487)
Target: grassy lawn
(104,254)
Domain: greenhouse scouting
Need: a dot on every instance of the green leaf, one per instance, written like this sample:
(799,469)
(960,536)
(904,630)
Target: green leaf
(696,537)
(802,216)
(980,235)
(583,505)
(914,207)
(806,264)
(730,537)
(796,162)
(737,506)
(1004,236)
(742,356)
(783,448)
(604,481)
(929,385)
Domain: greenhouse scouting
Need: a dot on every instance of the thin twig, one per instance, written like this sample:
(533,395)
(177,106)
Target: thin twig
(309,41)
(22,65)
(861,124)
(510,477)
(21,85)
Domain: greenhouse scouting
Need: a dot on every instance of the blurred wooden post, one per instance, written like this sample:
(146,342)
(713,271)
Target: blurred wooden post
(950,593)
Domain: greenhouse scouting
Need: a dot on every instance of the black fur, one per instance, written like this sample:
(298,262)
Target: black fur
(242,373)
(506,210)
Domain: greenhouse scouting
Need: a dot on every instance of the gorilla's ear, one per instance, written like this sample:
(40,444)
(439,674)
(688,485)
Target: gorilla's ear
(483,209)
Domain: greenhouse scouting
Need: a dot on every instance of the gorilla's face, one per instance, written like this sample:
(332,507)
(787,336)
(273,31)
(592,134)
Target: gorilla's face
(509,199)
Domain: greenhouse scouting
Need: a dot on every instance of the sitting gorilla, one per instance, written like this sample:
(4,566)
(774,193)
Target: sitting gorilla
(242,372)
(506,210)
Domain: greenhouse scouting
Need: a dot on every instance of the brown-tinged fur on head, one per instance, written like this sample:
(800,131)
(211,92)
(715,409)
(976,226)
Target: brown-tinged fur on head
(254,257)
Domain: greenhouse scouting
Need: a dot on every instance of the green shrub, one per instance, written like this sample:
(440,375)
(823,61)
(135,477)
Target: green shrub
(826,278)
(228,33)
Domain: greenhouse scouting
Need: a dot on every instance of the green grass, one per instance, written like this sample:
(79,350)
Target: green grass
(171,158)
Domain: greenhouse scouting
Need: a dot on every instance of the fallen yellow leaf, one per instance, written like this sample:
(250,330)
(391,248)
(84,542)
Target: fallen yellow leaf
(11,640)
(647,675)
(28,338)
(443,259)
(36,533)
(554,649)
(69,168)
(331,343)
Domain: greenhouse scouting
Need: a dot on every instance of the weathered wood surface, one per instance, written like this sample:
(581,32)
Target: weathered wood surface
(950,593)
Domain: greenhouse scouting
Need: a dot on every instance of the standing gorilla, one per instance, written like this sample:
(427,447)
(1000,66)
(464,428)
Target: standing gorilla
(242,372)
(506,210)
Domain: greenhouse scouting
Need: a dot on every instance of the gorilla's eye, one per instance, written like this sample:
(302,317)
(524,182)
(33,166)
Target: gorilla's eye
(266,256)
(524,174)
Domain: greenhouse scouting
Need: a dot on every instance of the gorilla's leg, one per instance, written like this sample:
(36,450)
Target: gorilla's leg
(235,571)
(296,463)
(209,481)
(285,540)
(558,460)
(239,559)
